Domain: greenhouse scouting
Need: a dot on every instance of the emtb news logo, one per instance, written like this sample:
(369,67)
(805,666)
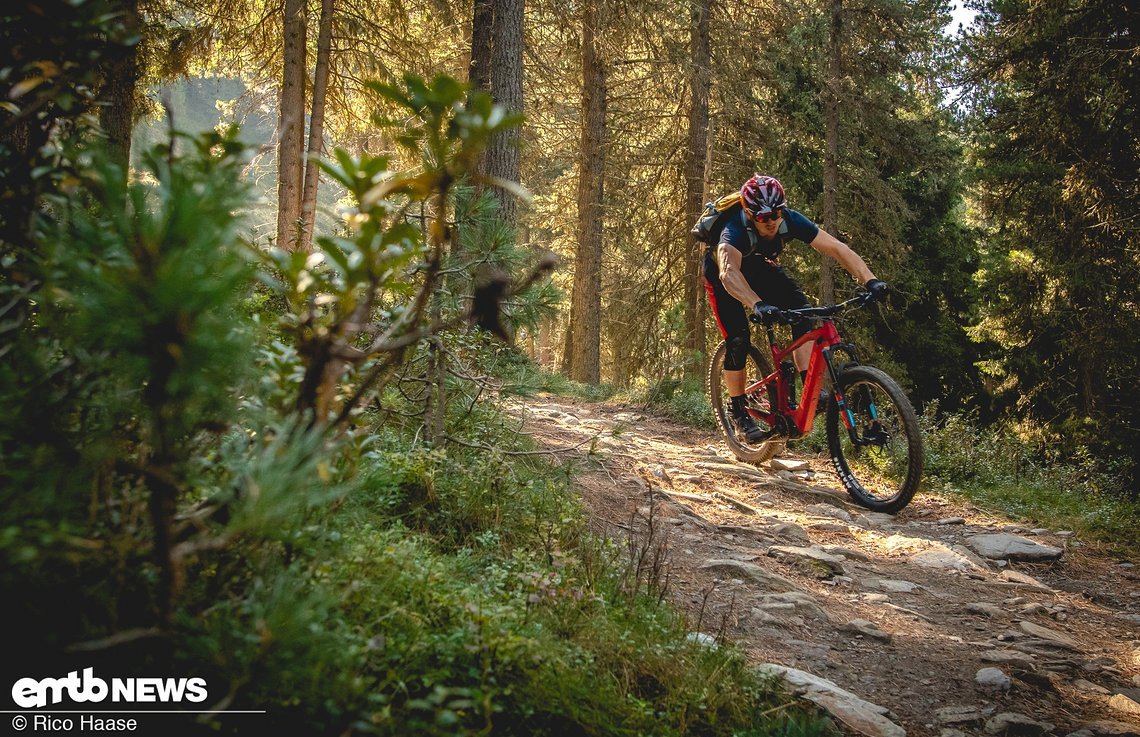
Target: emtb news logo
(29,693)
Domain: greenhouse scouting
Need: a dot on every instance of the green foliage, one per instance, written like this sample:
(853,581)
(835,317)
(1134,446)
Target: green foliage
(150,275)
(527,624)
(1054,166)
(1030,473)
(170,506)
(136,343)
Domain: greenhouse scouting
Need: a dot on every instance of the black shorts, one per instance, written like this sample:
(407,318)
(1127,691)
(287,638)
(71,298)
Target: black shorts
(767,279)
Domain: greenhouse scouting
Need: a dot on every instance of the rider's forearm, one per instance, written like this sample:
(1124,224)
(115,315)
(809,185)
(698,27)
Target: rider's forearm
(856,266)
(736,285)
(852,262)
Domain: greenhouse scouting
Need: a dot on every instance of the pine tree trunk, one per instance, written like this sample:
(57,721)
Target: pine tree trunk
(695,181)
(831,157)
(502,157)
(120,81)
(291,128)
(582,356)
(317,124)
(479,71)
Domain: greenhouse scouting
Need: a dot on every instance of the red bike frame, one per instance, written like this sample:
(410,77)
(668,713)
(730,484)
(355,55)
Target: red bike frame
(803,416)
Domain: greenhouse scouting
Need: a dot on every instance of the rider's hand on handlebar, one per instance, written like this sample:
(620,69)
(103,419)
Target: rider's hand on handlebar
(765,313)
(878,289)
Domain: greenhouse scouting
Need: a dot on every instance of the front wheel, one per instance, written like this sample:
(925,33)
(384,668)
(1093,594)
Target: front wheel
(874,440)
(756,367)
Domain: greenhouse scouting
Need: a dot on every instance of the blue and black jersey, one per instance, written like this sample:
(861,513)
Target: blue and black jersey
(770,282)
(739,233)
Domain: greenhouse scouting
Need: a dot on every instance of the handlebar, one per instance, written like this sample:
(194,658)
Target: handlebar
(824,311)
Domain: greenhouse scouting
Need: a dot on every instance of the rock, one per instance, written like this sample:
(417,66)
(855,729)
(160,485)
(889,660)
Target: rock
(703,639)
(965,552)
(1003,546)
(735,469)
(1009,723)
(879,519)
(1124,704)
(844,552)
(898,587)
(1052,635)
(1032,608)
(1009,657)
(992,680)
(789,531)
(660,472)
(1043,648)
(795,601)
(1018,578)
(952,733)
(777,616)
(951,521)
(906,544)
(1082,685)
(836,527)
(961,714)
(985,610)
(862,716)
(786,475)
(1064,533)
(827,510)
(786,464)
(812,561)
(867,629)
(1110,728)
(750,572)
(943,558)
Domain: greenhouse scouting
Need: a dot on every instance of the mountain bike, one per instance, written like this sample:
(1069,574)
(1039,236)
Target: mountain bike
(872,430)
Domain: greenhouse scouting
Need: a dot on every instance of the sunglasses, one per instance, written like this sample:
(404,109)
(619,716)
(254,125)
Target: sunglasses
(767,217)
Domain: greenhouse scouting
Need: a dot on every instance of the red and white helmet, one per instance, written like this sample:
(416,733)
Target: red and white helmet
(761,195)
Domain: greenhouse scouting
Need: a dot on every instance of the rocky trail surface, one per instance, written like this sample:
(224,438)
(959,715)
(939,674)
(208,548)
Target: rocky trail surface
(943,620)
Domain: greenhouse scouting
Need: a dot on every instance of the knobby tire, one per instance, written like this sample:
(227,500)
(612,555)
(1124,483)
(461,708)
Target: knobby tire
(757,367)
(883,474)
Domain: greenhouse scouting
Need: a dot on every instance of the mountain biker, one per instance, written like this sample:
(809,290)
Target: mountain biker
(742,279)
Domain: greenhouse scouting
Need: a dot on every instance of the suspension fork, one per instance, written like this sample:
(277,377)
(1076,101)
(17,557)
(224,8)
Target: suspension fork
(840,400)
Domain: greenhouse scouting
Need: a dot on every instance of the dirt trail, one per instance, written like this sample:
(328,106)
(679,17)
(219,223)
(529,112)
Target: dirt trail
(901,612)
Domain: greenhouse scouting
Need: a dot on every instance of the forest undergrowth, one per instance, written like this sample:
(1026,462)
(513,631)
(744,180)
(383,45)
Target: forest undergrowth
(290,474)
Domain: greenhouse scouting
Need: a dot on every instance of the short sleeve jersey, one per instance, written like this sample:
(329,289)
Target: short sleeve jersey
(742,235)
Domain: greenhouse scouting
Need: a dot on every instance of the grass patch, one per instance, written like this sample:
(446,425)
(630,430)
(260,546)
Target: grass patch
(1011,472)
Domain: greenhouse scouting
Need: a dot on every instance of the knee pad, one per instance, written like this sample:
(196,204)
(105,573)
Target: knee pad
(737,353)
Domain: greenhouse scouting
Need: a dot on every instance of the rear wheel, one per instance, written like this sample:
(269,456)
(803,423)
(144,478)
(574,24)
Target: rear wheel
(879,460)
(756,367)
